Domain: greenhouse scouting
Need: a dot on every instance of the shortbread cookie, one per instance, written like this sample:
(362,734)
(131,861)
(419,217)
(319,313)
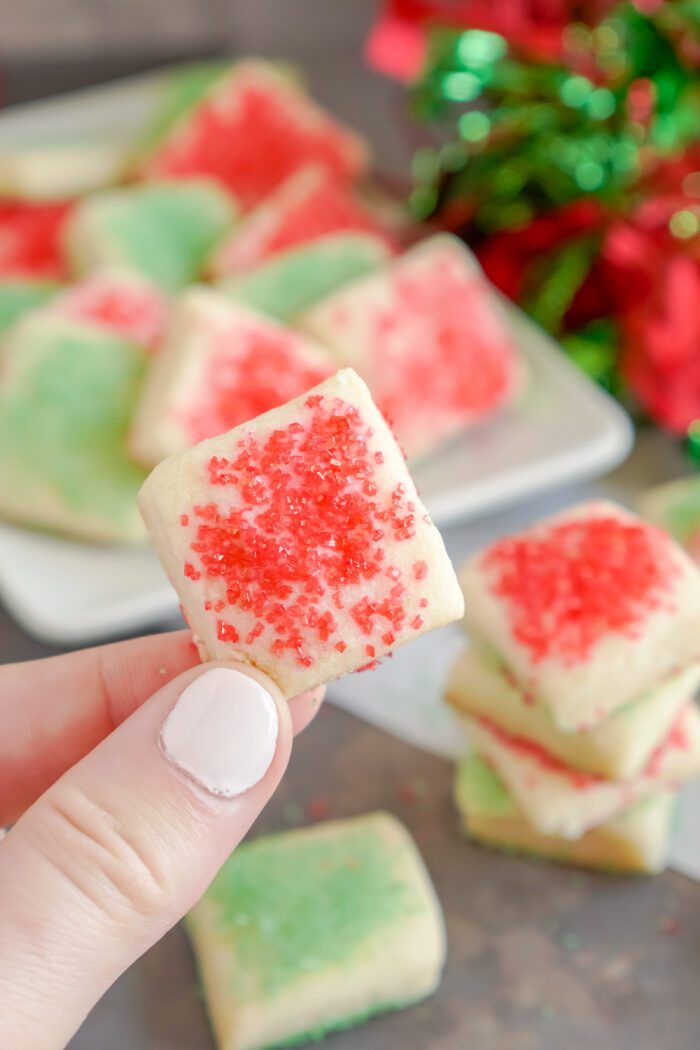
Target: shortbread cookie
(314,930)
(309,205)
(559,800)
(251,131)
(428,336)
(19,297)
(588,609)
(675,506)
(298,539)
(619,747)
(291,282)
(123,303)
(31,239)
(163,231)
(66,398)
(61,168)
(634,842)
(222,365)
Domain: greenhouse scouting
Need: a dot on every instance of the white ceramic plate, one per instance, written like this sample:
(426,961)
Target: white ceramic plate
(564,429)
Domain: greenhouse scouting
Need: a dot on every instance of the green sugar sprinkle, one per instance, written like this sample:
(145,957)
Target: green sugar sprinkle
(289,283)
(64,414)
(297,903)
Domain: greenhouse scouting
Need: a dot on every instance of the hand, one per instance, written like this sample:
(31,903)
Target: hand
(131,772)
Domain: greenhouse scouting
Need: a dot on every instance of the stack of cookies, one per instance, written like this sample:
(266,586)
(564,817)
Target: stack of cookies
(576,691)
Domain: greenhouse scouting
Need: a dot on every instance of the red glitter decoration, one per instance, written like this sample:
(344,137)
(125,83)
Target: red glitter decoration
(318,809)
(569,586)
(322,206)
(251,133)
(439,352)
(547,761)
(30,239)
(252,369)
(301,529)
(135,311)
(225,632)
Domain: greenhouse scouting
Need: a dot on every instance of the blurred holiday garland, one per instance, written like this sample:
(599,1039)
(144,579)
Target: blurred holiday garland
(565,148)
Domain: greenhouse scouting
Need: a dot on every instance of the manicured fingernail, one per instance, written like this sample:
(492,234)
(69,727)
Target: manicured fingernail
(222,731)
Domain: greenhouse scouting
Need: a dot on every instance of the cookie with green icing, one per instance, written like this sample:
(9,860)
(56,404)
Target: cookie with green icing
(163,231)
(65,404)
(312,930)
(636,841)
(287,284)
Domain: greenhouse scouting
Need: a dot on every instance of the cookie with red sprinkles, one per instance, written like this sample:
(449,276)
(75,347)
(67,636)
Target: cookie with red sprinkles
(252,130)
(428,337)
(309,205)
(298,539)
(588,609)
(558,800)
(122,303)
(222,365)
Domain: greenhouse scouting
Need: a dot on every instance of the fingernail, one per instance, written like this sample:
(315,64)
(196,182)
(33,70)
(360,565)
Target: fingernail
(222,731)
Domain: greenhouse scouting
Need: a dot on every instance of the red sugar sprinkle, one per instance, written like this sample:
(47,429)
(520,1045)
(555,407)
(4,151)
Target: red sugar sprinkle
(388,639)
(420,570)
(568,587)
(31,238)
(251,369)
(306,209)
(136,312)
(191,572)
(251,134)
(417,622)
(369,649)
(225,632)
(295,527)
(443,356)
(184,519)
(318,809)
(423,603)
(542,757)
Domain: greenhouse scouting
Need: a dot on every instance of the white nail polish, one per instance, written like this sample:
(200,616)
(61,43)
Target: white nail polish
(222,731)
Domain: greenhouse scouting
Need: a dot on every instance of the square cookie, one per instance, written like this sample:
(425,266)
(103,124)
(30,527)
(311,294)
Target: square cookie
(588,609)
(222,365)
(309,205)
(252,130)
(298,540)
(119,302)
(289,283)
(66,400)
(314,930)
(163,231)
(428,337)
(559,800)
(633,843)
(479,684)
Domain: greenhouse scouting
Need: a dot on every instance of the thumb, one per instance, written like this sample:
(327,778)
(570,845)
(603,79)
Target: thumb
(119,848)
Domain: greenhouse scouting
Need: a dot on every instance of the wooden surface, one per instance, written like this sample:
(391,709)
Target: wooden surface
(540,958)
